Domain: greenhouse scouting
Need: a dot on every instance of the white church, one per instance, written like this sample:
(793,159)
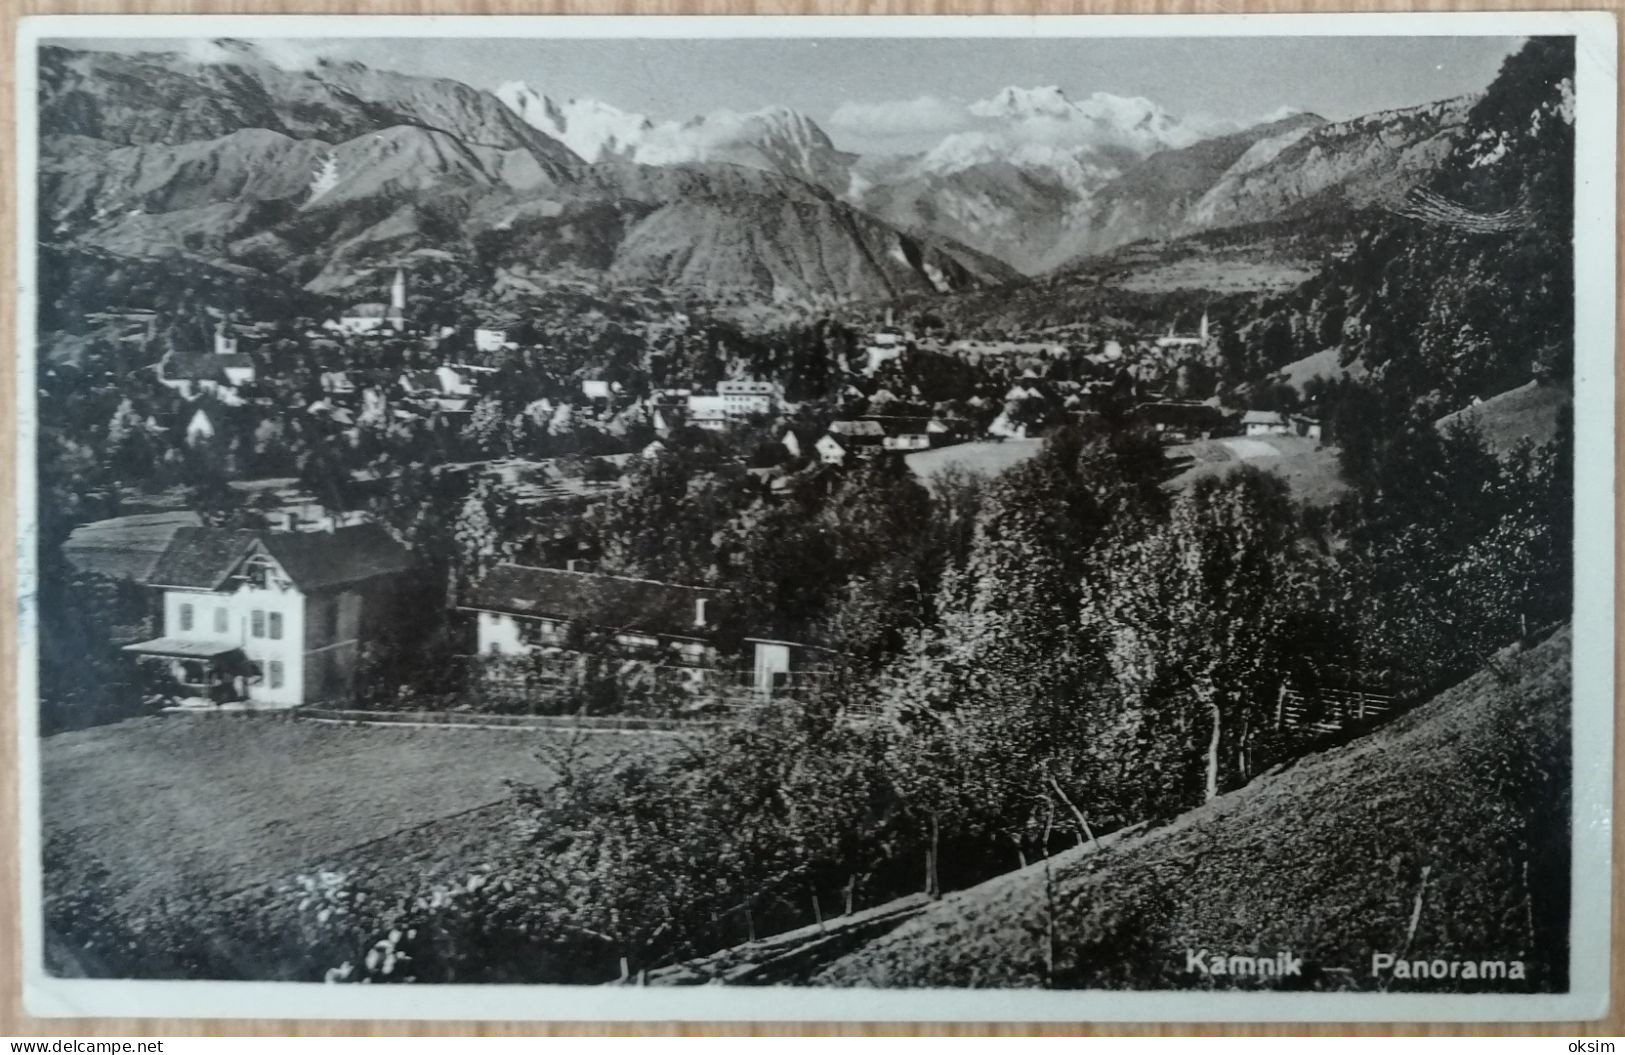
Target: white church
(374,317)
(1198,341)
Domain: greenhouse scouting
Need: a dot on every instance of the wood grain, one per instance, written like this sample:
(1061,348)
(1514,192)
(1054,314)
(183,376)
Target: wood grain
(13,1021)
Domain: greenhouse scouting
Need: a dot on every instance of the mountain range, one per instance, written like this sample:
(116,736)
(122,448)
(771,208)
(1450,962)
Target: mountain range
(325,176)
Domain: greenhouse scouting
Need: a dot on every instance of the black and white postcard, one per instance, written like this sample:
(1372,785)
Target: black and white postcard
(817,518)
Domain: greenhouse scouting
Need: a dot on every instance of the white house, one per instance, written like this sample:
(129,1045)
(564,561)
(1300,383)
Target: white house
(708,412)
(199,429)
(270,619)
(490,340)
(453,382)
(742,399)
(848,438)
(1265,423)
(903,434)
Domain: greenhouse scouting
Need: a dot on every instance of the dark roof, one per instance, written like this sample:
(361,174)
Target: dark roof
(857,430)
(894,426)
(1178,412)
(612,601)
(200,558)
(193,366)
(126,547)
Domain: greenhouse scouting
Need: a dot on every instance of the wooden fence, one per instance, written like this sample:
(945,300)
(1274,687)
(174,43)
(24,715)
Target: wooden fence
(1330,710)
(537,722)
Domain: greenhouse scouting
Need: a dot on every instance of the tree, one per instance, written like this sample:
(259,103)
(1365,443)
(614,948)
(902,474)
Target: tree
(487,429)
(129,449)
(667,521)
(489,530)
(1192,614)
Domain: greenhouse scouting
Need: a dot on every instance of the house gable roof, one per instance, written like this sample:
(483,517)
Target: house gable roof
(1263,417)
(611,601)
(201,558)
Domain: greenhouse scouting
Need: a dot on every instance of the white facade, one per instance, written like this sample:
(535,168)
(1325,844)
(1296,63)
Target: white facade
(771,666)
(742,399)
(501,634)
(708,412)
(830,450)
(359,324)
(452,382)
(304,646)
(489,340)
(199,429)
(267,624)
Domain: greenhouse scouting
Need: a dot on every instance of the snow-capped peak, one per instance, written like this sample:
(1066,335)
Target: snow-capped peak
(1047,115)
(776,138)
(595,130)
(1022,103)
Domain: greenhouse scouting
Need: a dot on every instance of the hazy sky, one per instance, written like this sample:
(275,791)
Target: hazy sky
(912,88)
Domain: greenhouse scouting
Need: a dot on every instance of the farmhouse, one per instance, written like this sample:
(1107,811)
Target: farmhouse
(272,618)
(524,610)
(847,438)
(1180,419)
(1265,423)
(909,434)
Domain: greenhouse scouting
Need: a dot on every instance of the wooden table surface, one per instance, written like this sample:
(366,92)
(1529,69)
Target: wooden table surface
(13,1021)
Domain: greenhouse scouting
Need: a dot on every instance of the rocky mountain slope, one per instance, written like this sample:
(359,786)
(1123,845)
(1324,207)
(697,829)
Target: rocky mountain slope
(322,177)
(1041,206)
(1370,160)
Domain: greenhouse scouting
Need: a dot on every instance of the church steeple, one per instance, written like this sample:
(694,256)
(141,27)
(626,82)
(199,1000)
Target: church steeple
(397,301)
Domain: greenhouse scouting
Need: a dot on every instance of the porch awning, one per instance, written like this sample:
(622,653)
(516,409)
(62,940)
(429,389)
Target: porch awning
(181,648)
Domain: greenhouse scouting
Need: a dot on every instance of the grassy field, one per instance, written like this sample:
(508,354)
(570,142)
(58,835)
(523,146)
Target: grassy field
(1455,815)
(987,457)
(1322,364)
(1528,411)
(1311,471)
(188,804)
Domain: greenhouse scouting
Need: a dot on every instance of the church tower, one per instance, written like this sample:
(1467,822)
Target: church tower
(397,301)
(1203,331)
(223,345)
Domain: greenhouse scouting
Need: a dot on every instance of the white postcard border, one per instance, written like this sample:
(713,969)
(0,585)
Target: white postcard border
(1595,92)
